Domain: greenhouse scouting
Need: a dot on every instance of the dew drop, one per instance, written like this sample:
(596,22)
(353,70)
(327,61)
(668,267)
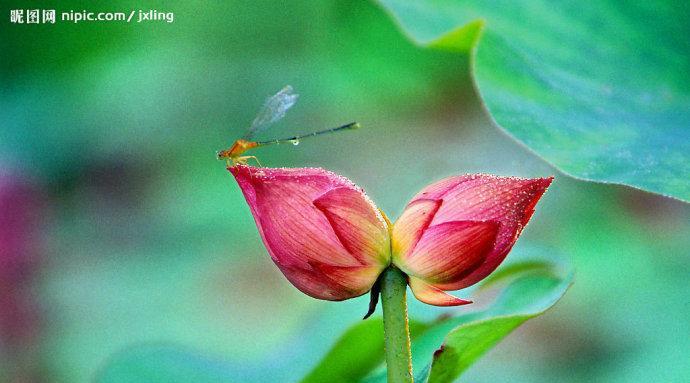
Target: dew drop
(295,142)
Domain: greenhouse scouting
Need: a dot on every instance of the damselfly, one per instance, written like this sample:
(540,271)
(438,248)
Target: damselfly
(273,110)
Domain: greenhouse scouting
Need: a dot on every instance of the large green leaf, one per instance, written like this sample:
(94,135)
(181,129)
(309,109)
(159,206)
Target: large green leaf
(598,89)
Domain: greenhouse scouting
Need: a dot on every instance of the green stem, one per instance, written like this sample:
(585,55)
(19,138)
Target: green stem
(395,326)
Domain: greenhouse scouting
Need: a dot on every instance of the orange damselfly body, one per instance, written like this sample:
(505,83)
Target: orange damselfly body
(273,110)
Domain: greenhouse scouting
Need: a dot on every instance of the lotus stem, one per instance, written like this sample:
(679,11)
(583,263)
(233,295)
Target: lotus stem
(396,326)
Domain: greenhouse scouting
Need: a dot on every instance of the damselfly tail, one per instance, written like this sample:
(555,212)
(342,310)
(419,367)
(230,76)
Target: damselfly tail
(296,139)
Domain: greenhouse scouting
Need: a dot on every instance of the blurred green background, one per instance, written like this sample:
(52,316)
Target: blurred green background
(146,239)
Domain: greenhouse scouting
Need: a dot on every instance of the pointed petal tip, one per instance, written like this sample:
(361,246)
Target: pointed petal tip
(468,184)
(546,181)
(429,294)
(239,169)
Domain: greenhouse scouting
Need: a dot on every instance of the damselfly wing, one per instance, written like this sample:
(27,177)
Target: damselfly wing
(274,109)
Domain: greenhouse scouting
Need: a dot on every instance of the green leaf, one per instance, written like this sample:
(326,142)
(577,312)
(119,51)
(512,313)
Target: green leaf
(355,354)
(153,364)
(598,89)
(525,298)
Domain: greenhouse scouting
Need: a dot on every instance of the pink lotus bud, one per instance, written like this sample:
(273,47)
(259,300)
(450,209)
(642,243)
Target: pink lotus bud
(322,231)
(456,231)
(332,242)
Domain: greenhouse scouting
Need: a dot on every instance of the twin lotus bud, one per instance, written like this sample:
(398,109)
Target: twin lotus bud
(331,241)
